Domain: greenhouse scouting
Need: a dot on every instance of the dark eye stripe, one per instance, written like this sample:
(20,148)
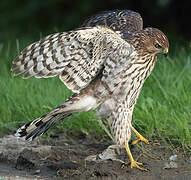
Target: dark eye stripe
(158,46)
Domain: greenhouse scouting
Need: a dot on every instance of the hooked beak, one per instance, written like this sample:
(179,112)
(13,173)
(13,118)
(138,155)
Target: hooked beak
(165,52)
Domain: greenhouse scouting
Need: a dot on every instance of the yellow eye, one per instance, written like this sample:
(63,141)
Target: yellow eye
(158,46)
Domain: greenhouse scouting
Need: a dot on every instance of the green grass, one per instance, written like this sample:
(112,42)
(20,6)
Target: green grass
(163,109)
(22,100)
(164,106)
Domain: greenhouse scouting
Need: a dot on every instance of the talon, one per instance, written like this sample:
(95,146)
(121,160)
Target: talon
(140,137)
(135,141)
(136,164)
(133,162)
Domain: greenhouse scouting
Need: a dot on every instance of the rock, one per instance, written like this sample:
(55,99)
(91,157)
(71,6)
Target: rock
(170,165)
(173,158)
(111,153)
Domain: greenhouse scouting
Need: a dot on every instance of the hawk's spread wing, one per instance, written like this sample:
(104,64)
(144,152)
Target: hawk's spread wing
(121,21)
(76,56)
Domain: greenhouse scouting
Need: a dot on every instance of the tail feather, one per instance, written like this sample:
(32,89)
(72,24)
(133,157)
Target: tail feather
(39,126)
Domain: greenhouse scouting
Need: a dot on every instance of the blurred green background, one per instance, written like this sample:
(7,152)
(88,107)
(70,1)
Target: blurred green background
(28,18)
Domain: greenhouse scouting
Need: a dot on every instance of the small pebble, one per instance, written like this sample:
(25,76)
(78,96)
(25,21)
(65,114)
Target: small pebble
(173,158)
(170,165)
(37,171)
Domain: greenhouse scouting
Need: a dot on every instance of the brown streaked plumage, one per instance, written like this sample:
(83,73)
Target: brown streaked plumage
(106,70)
(121,21)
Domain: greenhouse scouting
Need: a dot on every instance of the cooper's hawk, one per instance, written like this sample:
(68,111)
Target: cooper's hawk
(123,22)
(104,70)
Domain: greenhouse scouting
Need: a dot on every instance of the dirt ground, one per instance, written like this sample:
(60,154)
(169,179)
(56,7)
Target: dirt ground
(63,157)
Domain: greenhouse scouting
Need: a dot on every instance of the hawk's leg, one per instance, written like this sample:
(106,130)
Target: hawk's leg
(140,137)
(133,162)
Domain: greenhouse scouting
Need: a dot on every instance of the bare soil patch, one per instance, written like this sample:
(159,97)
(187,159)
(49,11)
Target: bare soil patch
(63,157)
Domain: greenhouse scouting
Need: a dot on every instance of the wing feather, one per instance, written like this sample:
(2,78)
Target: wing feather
(122,22)
(76,56)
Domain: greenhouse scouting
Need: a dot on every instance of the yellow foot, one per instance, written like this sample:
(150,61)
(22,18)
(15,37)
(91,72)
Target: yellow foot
(140,137)
(133,162)
(137,165)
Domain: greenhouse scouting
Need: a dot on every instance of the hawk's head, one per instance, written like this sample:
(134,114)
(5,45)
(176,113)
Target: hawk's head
(155,41)
(150,41)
